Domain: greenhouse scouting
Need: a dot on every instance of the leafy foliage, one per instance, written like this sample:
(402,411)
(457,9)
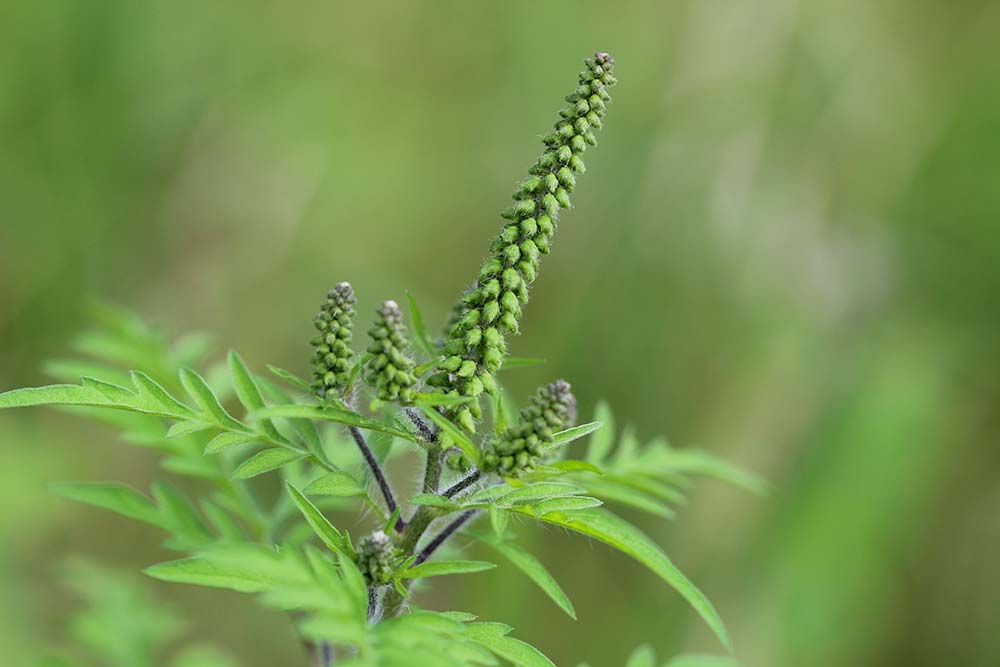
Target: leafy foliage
(228,427)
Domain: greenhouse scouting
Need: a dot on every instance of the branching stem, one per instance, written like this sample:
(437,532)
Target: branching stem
(463,483)
(445,533)
(383,483)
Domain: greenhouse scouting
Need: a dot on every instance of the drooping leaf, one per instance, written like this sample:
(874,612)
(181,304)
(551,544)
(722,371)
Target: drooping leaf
(535,571)
(494,637)
(266,461)
(618,533)
(498,520)
(179,516)
(443,567)
(601,444)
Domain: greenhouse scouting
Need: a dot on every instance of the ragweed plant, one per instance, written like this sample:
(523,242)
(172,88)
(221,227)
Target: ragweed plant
(328,438)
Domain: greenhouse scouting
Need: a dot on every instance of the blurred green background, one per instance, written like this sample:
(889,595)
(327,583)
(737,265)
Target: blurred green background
(786,251)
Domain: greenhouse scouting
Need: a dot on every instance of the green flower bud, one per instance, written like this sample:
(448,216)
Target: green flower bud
(522,446)
(389,370)
(331,349)
(376,558)
(494,309)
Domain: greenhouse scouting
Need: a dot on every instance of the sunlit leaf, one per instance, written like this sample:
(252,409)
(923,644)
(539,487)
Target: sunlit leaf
(443,567)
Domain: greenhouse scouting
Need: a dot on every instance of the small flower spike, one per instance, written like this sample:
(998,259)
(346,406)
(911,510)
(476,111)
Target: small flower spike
(491,310)
(521,447)
(375,558)
(332,347)
(389,370)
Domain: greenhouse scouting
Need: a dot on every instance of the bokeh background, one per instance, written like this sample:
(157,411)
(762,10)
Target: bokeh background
(786,251)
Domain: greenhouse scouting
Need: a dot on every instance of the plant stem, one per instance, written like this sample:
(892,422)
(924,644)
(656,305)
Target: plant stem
(383,483)
(445,533)
(463,483)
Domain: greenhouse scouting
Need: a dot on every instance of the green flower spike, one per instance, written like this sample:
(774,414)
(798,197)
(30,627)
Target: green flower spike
(389,370)
(520,448)
(492,309)
(332,347)
(375,557)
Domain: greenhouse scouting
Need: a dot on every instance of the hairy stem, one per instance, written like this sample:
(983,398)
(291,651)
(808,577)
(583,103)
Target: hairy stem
(383,483)
(463,483)
(445,533)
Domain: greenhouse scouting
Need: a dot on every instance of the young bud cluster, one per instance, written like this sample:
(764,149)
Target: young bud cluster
(332,347)
(389,370)
(491,310)
(375,558)
(521,447)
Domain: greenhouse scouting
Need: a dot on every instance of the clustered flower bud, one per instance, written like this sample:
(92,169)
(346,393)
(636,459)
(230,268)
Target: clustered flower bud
(390,370)
(521,447)
(491,310)
(332,347)
(375,558)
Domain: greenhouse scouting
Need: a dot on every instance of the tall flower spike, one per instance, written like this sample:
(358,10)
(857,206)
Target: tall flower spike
(491,310)
(390,370)
(332,347)
(519,449)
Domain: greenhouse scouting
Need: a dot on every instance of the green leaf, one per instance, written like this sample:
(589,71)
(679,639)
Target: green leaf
(628,539)
(329,535)
(266,461)
(336,483)
(224,524)
(335,415)
(494,637)
(693,461)
(206,399)
(614,491)
(602,443)
(291,379)
(180,517)
(434,500)
(535,571)
(228,439)
(565,504)
(203,572)
(442,567)
(573,465)
(642,656)
(498,520)
(186,428)
(539,491)
(457,435)
(432,400)
(249,393)
(522,362)
(563,438)
(118,498)
(154,393)
(419,328)
(91,392)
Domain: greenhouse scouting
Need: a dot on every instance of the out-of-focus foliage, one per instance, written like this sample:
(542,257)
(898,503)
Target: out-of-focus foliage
(790,260)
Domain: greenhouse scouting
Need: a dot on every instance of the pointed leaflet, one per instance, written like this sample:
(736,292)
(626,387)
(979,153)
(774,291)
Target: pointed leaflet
(333,414)
(266,461)
(419,328)
(563,438)
(457,435)
(494,637)
(628,539)
(249,393)
(228,439)
(90,392)
(206,399)
(118,498)
(601,444)
(336,483)
(534,569)
(329,535)
(442,567)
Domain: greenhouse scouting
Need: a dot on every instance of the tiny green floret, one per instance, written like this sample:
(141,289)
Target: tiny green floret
(332,347)
(376,556)
(389,370)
